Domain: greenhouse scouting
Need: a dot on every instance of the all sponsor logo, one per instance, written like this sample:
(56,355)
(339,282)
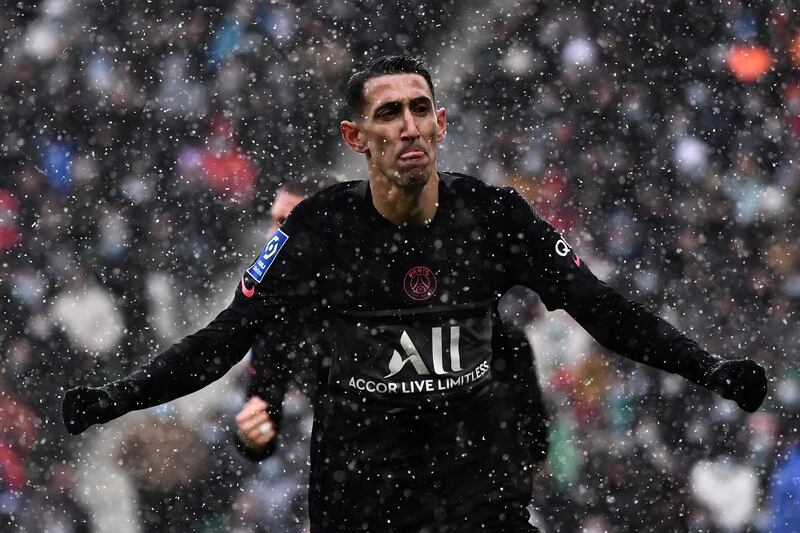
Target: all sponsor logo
(444,374)
(412,357)
(420,283)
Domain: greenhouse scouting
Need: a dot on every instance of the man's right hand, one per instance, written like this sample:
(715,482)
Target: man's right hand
(255,425)
(85,406)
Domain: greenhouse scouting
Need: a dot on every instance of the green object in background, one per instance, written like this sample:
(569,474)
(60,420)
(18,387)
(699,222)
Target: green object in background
(562,456)
(620,412)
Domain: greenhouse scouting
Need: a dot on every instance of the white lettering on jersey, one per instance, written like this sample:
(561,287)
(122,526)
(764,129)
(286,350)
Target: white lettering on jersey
(397,362)
(421,385)
(562,248)
(436,347)
(455,355)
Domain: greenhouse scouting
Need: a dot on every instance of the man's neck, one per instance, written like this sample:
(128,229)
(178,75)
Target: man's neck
(405,206)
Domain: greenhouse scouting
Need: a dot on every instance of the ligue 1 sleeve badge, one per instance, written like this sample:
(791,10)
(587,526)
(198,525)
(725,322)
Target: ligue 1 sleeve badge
(420,283)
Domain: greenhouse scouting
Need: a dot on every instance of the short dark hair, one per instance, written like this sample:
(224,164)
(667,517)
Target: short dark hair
(354,93)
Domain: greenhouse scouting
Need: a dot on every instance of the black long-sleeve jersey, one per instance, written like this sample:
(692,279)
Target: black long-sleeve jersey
(295,363)
(273,370)
(405,433)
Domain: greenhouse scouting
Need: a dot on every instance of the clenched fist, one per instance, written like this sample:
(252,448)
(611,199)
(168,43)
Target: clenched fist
(741,380)
(256,428)
(85,406)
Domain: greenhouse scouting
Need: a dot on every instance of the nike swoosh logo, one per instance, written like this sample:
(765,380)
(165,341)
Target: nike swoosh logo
(575,259)
(248,292)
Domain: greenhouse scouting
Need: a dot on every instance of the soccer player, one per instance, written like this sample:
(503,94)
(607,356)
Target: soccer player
(291,364)
(516,380)
(401,274)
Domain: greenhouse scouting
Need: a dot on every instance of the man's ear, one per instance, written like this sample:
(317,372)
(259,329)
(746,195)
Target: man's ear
(441,122)
(351,134)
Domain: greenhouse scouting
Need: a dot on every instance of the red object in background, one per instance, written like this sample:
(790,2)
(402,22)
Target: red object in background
(9,233)
(749,63)
(794,49)
(228,171)
(551,197)
(794,126)
(563,380)
(554,202)
(12,470)
(230,174)
(17,434)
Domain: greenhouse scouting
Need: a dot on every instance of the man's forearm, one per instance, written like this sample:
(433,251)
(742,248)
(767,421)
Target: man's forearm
(186,366)
(629,329)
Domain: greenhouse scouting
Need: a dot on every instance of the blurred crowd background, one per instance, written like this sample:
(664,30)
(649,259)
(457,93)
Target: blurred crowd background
(140,147)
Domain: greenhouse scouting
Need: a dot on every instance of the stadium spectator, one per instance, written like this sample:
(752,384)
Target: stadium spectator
(784,485)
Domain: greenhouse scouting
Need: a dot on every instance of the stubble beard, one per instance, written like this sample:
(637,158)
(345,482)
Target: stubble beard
(412,182)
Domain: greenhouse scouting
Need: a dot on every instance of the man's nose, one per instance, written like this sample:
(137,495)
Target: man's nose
(410,130)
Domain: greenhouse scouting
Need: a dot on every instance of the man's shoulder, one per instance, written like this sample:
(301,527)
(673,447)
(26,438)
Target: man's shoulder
(336,197)
(462,181)
(471,186)
(337,192)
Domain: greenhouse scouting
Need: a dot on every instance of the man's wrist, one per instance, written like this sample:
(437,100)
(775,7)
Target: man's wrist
(118,393)
(249,444)
(709,364)
(250,450)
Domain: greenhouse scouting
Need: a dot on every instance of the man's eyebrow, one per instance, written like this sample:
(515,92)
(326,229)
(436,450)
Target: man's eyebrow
(392,105)
(421,100)
(396,104)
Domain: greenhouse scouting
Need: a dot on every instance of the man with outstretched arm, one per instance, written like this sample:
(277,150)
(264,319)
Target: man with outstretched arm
(275,369)
(401,273)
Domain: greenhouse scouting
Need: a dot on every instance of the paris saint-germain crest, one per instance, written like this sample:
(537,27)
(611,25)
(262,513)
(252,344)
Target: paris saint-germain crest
(420,283)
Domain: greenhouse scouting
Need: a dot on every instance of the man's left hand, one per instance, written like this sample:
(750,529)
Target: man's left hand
(741,380)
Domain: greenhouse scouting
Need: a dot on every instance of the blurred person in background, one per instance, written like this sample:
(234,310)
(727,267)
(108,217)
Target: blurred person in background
(280,389)
(784,483)
(186,477)
(57,506)
(724,484)
(19,434)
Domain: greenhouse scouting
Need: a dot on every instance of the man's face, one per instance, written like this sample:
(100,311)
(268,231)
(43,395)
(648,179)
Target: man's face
(399,128)
(283,205)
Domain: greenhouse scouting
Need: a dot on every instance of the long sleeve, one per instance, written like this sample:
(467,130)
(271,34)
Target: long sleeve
(284,275)
(268,378)
(546,263)
(629,329)
(188,365)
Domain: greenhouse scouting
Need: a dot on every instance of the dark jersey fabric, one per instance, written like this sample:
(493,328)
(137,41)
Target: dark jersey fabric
(516,400)
(274,369)
(406,432)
